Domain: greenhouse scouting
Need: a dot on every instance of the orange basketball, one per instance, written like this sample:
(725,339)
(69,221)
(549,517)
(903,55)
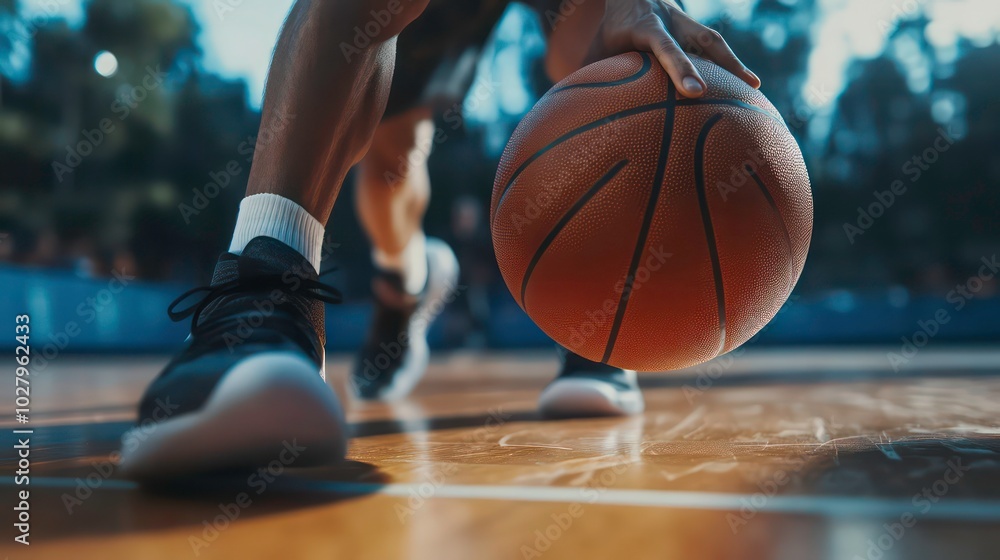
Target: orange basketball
(646,230)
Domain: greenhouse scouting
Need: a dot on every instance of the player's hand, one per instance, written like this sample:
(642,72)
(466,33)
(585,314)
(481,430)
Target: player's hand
(662,28)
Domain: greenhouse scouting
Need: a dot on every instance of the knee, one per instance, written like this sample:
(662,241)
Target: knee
(400,149)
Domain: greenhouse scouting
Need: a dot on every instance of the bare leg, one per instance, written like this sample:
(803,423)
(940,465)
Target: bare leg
(393,186)
(325,95)
(417,274)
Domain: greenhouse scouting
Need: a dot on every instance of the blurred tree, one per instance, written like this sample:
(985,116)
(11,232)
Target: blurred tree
(175,129)
(126,140)
(898,123)
(776,45)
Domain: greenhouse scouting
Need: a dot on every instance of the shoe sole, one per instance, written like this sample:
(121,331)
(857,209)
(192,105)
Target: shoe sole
(581,398)
(269,407)
(442,276)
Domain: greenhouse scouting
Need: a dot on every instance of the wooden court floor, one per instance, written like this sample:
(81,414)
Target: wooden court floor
(799,454)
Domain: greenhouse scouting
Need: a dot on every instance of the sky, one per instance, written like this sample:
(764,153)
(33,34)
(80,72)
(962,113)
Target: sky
(238,41)
(238,35)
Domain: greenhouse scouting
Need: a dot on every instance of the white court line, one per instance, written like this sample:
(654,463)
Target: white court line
(824,506)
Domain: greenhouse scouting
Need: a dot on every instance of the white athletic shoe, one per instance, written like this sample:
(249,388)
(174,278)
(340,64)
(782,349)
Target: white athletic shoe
(586,389)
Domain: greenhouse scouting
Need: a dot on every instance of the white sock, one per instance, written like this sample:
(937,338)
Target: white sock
(411,263)
(275,216)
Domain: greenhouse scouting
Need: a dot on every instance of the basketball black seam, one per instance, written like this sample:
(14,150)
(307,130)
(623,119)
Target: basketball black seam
(614,117)
(706,218)
(701,102)
(670,105)
(570,213)
(647,219)
(781,220)
(647,63)
(575,132)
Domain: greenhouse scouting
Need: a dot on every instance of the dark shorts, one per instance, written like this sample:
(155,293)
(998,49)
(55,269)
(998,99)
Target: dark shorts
(437,54)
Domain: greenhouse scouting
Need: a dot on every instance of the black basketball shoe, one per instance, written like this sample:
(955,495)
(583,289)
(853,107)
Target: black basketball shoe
(584,388)
(395,354)
(249,386)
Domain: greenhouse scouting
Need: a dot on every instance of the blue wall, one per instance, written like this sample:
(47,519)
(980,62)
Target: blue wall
(71,314)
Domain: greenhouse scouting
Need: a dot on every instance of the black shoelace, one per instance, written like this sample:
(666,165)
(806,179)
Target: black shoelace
(304,287)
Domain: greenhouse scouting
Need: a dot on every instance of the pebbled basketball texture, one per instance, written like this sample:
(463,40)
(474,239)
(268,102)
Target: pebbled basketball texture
(646,230)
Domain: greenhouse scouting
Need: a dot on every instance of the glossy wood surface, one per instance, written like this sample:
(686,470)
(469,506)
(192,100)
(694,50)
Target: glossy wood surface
(779,454)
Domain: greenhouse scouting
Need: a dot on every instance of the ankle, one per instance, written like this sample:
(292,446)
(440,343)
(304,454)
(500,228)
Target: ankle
(410,263)
(280,218)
